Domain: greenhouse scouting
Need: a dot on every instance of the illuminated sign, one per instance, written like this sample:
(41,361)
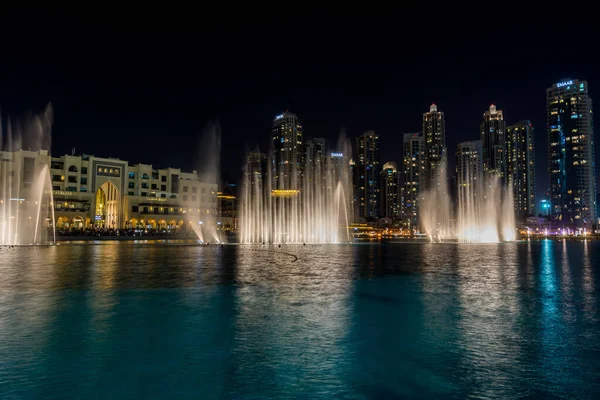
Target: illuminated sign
(279,116)
(156,198)
(337,155)
(62,193)
(59,192)
(108,171)
(561,84)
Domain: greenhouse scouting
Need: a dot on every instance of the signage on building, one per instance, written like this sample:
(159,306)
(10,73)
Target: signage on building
(156,198)
(337,155)
(561,84)
(98,217)
(108,171)
(59,193)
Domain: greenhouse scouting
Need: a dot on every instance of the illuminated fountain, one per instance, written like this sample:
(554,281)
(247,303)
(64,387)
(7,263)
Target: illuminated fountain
(314,208)
(26,205)
(436,206)
(209,167)
(484,210)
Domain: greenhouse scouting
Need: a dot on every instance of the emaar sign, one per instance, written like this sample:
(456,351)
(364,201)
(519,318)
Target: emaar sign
(561,84)
(337,155)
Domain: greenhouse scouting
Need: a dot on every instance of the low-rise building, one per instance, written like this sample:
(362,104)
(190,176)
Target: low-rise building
(90,191)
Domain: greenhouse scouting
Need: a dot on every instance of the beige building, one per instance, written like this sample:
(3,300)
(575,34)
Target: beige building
(107,192)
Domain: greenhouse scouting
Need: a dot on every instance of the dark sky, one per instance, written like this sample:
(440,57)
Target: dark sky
(147,98)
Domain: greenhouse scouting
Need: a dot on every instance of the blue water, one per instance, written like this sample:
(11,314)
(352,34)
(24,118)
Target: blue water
(171,321)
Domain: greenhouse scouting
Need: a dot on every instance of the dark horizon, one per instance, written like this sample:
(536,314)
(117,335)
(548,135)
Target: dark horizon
(149,102)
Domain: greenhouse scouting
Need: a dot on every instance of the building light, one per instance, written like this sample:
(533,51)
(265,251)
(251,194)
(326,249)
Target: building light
(562,84)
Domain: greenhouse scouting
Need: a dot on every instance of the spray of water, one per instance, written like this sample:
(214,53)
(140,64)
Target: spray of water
(209,167)
(484,210)
(316,209)
(26,203)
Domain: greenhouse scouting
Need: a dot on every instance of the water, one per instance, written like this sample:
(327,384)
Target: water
(26,204)
(208,160)
(153,320)
(484,210)
(316,207)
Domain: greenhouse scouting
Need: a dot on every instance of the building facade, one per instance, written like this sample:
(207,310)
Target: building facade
(288,149)
(520,167)
(469,165)
(390,191)
(90,191)
(571,154)
(493,139)
(434,139)
(414,160)
(367,175)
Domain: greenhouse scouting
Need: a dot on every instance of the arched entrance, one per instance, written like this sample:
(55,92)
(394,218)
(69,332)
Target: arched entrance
(78,222)
(107,206)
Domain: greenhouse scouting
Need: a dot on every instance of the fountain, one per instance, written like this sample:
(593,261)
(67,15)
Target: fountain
(26,205)
(436,202)
(209,171)
(315,208)
(484,211)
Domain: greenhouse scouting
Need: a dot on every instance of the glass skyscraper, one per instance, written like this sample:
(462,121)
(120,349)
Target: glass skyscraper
(571,157)
(414,159)
(434,139)
(493,140)
(287,147)
(390,192)
(520,167)
(367,175)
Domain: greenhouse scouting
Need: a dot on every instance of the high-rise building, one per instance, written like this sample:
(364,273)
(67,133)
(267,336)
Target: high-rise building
(520,167)
(390,192)
(287,151)
(367,175)
(414,159)
(571,156)
(313,156)
(434,139)
(469,164)
(493,140)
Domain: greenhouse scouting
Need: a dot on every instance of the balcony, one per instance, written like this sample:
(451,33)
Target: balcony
(67,209)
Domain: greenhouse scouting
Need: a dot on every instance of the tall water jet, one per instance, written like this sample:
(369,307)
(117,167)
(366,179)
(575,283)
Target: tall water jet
(484,206)
(436,204)
(209,167)
(26,204)
(297,202)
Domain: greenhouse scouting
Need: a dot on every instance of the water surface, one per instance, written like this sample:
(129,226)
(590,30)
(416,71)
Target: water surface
(154,320)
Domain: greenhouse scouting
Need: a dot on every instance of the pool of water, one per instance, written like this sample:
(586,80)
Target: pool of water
(395,320)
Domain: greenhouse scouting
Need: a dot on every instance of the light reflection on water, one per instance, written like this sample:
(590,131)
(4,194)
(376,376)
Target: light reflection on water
(358,321)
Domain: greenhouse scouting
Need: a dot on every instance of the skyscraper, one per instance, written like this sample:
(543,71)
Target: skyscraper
(520,167)
(434,138)
(367,175)
(390,192)
(493,141)
(287,151)
(571,156)
(469,164)
(414,159)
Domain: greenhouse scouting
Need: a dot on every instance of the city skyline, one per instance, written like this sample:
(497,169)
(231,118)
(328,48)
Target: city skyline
(145,101)
(397,154)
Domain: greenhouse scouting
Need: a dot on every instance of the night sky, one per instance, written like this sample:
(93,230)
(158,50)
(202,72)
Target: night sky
(147,98)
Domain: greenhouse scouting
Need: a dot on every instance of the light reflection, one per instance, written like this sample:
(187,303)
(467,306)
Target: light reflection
(487,289)
(589,290)
(291,316)
(566,283)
